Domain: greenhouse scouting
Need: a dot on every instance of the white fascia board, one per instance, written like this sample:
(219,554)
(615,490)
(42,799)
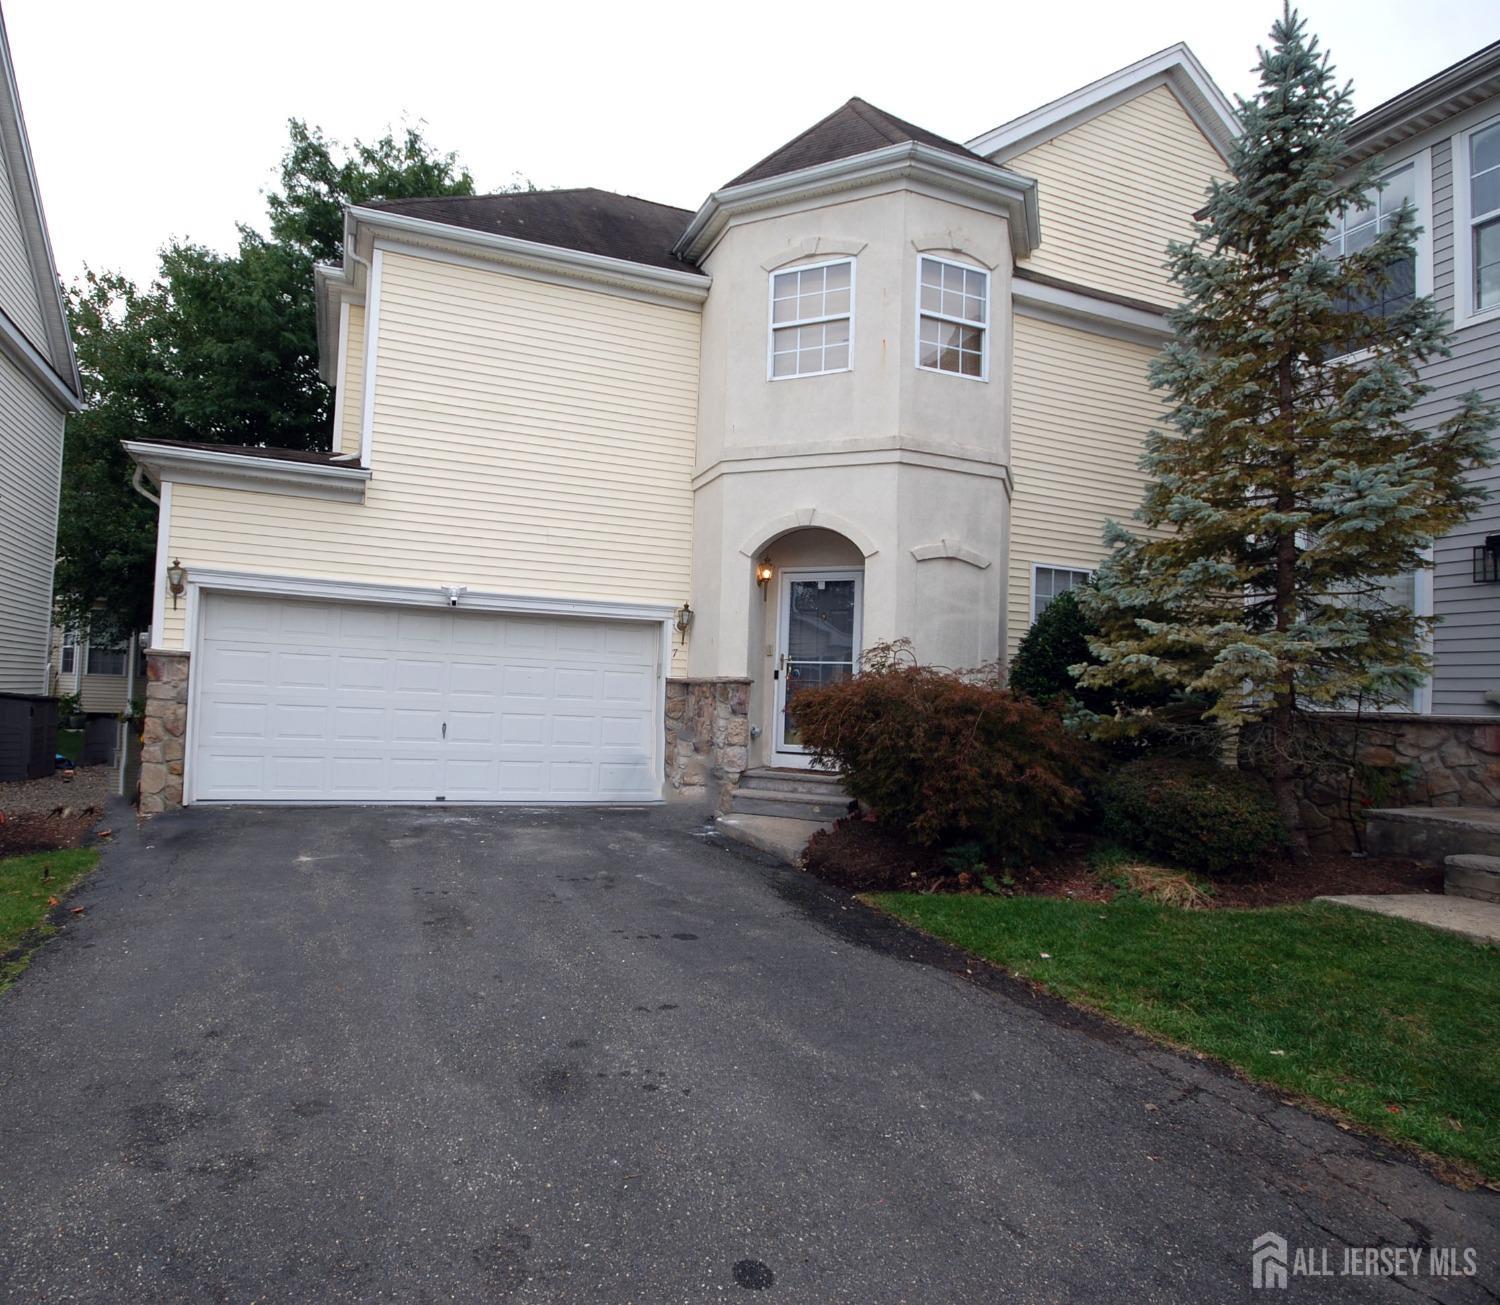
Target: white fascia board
(908,160)
(1176,67)
(433,595)
(663,283)
(33,221)
(236,471)
(30,360)
(1084,312)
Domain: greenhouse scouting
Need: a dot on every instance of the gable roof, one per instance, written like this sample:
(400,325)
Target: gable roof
(49,361)
(1460,86)
(589,220)
(855,127)
(1176,67)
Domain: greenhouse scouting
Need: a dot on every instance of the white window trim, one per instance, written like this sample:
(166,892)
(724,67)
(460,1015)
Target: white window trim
(1465,298)
(772,325)
(1088,568)
(984,354)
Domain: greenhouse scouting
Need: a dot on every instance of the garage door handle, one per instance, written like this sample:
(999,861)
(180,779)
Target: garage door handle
(445,729)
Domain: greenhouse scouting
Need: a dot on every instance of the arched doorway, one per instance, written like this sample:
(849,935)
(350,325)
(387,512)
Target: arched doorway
(811,616)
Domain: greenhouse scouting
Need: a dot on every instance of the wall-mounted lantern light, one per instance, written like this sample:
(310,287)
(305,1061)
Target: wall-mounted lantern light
(1487,561)
(684,618)
(764,571)
(176,580)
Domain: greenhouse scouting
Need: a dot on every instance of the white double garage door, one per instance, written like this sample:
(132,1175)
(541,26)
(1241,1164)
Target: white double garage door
(310,701)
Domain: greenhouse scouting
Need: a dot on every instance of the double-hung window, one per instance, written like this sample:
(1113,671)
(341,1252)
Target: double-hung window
(812,319)
(1359,227)
(68,658)
(953,323)
(1049,581)
(1482,160)
(105,661)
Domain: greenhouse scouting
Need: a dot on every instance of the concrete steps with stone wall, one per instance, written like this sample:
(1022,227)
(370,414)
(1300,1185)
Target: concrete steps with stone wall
(1474,876)
(1433,834)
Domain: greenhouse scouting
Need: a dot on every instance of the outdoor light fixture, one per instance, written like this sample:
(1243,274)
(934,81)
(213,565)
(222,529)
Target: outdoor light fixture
(1487,561)
(763,572)
(176,580)
(684,618)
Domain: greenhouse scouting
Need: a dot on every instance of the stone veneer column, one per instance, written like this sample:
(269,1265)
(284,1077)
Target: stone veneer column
(165,733)
(708,736)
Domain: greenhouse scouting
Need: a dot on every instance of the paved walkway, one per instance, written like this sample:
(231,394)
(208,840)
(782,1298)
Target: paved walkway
(1479,921)
(584,1056)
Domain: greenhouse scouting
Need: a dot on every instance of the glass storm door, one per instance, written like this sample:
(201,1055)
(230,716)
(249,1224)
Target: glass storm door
(819,633)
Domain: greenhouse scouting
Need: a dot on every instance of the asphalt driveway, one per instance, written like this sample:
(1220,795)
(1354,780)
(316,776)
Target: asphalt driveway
(419,1055)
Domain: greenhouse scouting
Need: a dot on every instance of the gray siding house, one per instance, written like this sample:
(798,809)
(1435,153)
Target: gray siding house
(1439,142)
(39,386)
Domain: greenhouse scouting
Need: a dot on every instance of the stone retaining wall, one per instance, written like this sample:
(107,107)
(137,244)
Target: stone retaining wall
(165,730)
(1439,761)
(708,736)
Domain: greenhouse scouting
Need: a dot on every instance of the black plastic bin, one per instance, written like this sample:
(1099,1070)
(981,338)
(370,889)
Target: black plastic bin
(28,736)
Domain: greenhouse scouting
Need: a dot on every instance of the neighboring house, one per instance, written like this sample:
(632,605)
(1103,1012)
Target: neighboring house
(1439,145)
(880,385)
(39,385)
(100,675)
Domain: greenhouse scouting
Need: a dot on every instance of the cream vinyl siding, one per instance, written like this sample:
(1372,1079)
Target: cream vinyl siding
(1115,190)
(103,693)
(31,434)
(352,392)
(17,285)
(528,438)
(1082,411)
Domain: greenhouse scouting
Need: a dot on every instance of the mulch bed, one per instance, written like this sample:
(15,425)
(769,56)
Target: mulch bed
(47,831)
(861,856)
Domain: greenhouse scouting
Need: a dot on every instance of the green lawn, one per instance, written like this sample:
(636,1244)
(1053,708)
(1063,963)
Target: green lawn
(70,744)
(1394,1024)
(24,897)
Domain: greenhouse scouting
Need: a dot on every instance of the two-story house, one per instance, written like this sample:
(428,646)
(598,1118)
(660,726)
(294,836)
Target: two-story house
(1439,146)
(611,481)
(39,386)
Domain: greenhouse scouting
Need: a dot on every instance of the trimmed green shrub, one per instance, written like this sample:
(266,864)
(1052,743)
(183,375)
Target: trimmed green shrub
(945,757)
(1193,813)
(1058,639)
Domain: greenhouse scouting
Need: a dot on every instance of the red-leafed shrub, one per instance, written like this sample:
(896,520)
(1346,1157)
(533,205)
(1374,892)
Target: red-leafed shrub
(944,757)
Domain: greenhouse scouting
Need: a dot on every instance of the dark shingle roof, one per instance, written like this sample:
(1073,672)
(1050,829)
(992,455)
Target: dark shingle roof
(325,458)
(593,221)
(854,128)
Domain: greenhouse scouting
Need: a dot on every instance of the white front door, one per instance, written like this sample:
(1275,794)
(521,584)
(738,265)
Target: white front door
(311,701)
(818,642)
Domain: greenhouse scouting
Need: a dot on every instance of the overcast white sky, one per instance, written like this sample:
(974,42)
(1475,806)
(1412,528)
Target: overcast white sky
(166,117)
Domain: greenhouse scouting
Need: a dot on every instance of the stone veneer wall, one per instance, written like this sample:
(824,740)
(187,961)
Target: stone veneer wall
(1439,761)
(708,736)
(164,734)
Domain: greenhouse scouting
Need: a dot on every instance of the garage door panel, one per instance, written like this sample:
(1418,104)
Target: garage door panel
(360,724)
(299,721)
(231,666)
(294,775)
(305,701)
(356,673)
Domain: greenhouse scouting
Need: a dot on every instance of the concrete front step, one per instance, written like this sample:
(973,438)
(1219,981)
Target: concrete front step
(775,835)
(1433,834)
(786,780)
(822,805)
(1473,876)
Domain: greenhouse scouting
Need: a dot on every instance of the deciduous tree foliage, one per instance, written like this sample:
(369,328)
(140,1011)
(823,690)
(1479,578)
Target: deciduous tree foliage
(221,347)
(1292,481)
